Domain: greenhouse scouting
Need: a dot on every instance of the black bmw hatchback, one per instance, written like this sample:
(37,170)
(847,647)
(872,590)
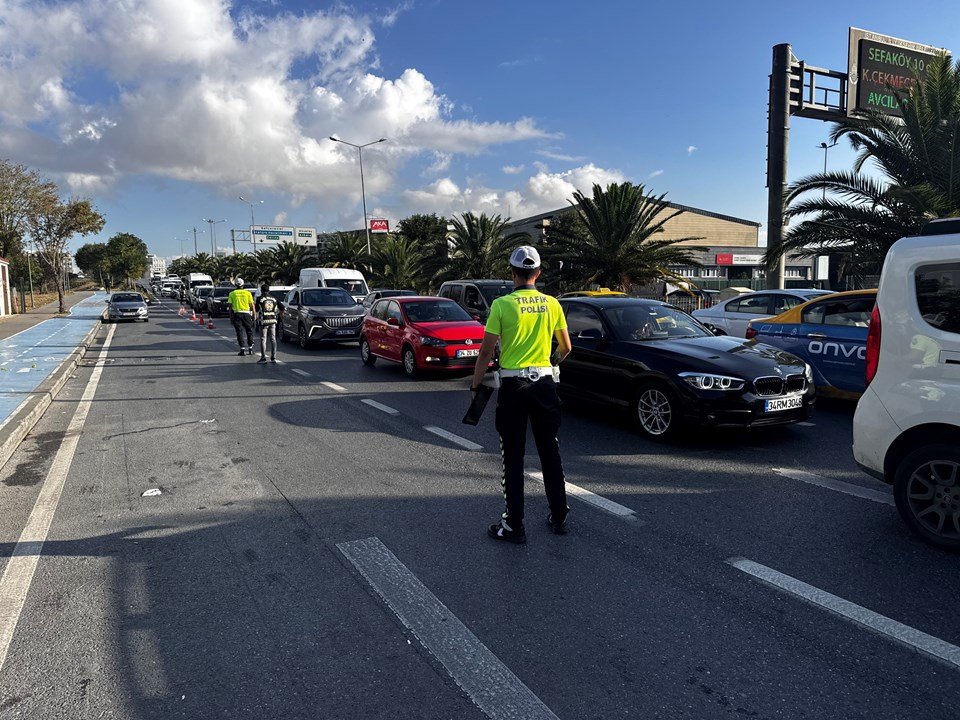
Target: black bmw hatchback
(671,371)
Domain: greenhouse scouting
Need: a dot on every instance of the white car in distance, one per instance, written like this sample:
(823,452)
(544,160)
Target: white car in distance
(731,317)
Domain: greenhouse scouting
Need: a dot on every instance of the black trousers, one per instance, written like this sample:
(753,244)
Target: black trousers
(243,324)
(519,402)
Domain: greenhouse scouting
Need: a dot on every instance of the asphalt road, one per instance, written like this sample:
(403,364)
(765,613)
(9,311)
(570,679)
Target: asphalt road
(317,550)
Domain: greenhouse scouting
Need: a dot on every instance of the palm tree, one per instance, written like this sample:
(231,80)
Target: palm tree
(477,248)
(346,250)
(858,217)
(609,238)
(286,261)
(397,263)
(202,263)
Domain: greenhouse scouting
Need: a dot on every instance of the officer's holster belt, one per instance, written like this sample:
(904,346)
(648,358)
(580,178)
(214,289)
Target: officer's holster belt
(530,373)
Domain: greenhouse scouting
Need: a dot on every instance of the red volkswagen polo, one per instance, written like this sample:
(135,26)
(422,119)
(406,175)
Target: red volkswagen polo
(421,333)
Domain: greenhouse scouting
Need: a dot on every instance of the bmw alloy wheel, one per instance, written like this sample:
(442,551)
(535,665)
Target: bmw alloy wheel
(655,411)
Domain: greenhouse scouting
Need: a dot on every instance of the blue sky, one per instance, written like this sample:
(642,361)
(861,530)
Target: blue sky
(164,111)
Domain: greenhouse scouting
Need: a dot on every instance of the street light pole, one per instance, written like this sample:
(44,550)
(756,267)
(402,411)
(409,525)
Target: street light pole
(213,235)
(195,251)
(823,146)
(363,193)
(253,238)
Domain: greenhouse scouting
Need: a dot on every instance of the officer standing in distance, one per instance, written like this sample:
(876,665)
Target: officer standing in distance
(242,314)
(268,307)
(525,322)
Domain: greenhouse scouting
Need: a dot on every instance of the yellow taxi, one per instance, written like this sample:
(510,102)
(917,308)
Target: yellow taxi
(602,292)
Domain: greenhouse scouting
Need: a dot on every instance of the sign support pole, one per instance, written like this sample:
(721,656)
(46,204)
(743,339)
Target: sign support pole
(778,132)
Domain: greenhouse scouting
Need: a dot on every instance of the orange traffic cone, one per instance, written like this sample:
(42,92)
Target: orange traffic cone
(182,311)
(200,320)
(210,325)
(193,316)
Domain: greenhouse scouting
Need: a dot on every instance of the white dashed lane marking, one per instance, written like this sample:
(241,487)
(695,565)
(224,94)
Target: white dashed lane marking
(333,386)
(462,442)
(892,629)
(590,498)
(836,485)
(497,691)
(382,408)
(298,371)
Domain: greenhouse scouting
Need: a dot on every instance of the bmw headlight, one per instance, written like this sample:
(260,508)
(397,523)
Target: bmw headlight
(432,341)
(709,381)
(808,373)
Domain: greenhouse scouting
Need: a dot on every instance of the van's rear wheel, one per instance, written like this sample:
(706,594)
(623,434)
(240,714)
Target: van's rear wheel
(926,489)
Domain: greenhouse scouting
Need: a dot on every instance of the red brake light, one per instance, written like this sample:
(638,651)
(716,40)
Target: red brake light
(873,345)
(751,333)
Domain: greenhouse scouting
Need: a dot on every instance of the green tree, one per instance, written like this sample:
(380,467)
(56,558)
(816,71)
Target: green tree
(478,248)
(22,191)
(286,261)
(346,249)
(611,240)
(857,216)
(52,224)
(127,256)
(397,263)
(92,260)
(428,235)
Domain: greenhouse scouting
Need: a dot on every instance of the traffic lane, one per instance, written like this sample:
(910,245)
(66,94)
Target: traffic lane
(211,597)
(443,537)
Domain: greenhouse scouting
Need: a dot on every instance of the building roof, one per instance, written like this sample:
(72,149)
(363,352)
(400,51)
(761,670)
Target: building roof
(673,206)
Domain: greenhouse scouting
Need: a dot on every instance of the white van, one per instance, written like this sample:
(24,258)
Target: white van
(906,429)
(350,280)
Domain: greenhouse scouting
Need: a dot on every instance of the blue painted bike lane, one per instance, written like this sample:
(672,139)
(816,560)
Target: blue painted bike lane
(31,356)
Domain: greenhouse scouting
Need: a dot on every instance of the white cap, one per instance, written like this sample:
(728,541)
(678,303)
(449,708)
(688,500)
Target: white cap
(525,257)
(238,282)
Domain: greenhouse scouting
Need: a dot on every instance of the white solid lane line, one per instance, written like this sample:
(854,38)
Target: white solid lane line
(462,442)
(836,485)
(298,371)
(499,693)
(381,407)
(590,498)
(905,634)
(333,386)
(18,575)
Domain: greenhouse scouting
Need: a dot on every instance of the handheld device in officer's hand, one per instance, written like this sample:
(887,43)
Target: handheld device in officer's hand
(480,399)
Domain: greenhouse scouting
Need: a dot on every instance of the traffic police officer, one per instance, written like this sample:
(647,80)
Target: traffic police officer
(525,322)
(242,314)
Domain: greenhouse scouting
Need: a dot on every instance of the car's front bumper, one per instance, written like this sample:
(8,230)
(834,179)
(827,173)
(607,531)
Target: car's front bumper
(738,409)
(320,332)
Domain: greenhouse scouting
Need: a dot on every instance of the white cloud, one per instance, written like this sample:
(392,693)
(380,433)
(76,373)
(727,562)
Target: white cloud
(540,193)
(512,169)
(691,149)
(441,163)
(390,18)
(183,89)
(554,154)
(655,173)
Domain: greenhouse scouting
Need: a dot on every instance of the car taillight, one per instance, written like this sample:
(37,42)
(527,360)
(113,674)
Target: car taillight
(873,345)
(751,333)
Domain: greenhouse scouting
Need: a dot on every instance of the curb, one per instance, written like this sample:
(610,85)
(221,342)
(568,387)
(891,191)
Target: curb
(22,421)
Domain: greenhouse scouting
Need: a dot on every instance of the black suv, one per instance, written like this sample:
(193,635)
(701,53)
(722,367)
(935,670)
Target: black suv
(475,296)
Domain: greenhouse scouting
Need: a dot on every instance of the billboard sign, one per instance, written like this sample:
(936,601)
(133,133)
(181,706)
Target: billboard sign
(880,64)
(306,237)
(268,234)
(379,225)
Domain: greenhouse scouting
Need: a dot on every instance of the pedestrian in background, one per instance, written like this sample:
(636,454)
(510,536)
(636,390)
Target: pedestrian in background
(268,312)
(243,312)
(525,322)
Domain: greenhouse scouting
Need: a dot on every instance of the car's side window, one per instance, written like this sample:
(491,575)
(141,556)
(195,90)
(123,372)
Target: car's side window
(755,305)
(295,299)
(379,310)
(454,292)
(813,314)
(938,295)
(782,303)
(471,298)
(581,318)
(393,311)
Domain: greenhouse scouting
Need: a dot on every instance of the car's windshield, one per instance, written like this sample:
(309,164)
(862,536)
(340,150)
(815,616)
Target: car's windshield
(127,297)
(354,287)
(653,322)
(435,311)
(492,292)
(279,295)
(326,296)
(221,292)
(202,291)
